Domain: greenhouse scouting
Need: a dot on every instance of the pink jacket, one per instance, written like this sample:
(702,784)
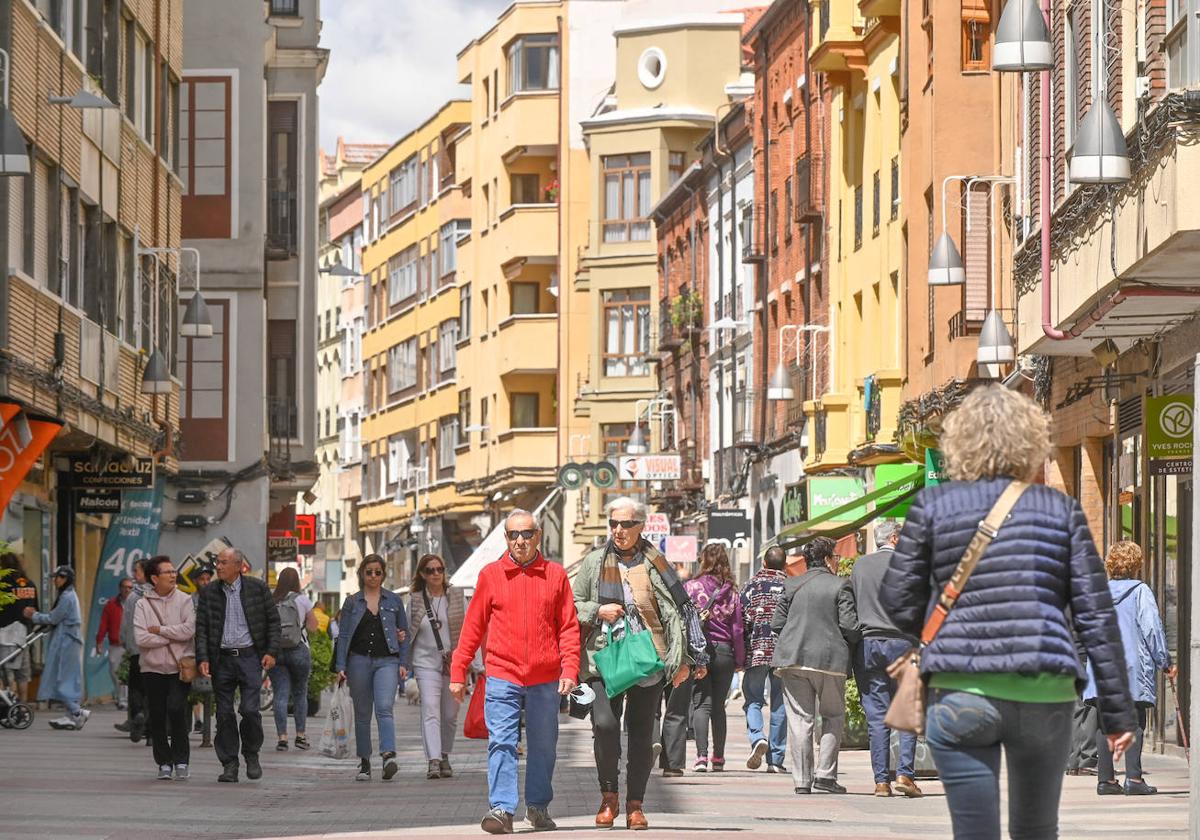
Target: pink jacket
(177,630)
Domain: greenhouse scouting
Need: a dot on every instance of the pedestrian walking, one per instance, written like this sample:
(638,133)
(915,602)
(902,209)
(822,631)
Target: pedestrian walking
(1002,671)
(716,598)
(110,631)
(165,625)
(15,627)
(135,720)
(237,638)
(371,648)
(759,598)
(437,611)
(1145,647)
(289,677)
(881,645)
(202,577)
(625,582)
(525,605)
(815,625)
(62,676)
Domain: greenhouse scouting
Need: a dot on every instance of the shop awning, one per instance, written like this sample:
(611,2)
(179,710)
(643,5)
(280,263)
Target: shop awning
(24,436)
(491,548)
(827,524)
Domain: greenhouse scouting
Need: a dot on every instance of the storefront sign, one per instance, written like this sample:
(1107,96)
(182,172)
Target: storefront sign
(1169,422)
(649,467)
(794,508)
(281,550)
(886,474)
(98,501)
(935,467)
(85,473)
(132,537)
(829,492)
(685,549)
(306,533)
(657,526)
(23,438)
(731,526)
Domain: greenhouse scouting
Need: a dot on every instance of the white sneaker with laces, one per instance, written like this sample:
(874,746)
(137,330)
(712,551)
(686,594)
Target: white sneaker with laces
(164,772)
(182,773)
(64,722)
(80,719)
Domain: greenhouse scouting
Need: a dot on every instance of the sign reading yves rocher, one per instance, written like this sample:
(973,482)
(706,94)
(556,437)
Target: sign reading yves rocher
(85,473)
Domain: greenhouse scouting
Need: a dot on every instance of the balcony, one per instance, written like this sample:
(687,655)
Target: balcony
(807,188)
(965,323)
(753,235)
(840,47)
(879,8)
(745,414)
(281,219)
(282,427)
(523,450)
(527,124)
(525,344)
(528,230)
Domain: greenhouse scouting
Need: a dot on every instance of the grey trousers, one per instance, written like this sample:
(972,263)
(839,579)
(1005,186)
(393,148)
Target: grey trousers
(807,694)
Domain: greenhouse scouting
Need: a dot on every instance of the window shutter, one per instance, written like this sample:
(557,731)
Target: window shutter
(975,257)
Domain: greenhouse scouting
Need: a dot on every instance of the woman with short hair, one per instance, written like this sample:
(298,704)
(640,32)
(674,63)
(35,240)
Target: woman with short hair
(437,611)
(1003,670)
(370,649)
(290,675)
(1145,644)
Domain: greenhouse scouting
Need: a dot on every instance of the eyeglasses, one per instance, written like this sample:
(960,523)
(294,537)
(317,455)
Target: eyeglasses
(624,523)
(373,573)
(433,570)
(527,534)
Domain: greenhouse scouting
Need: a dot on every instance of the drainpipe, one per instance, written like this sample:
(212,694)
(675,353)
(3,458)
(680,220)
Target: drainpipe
(764,272)
(562,275)
(1044,198)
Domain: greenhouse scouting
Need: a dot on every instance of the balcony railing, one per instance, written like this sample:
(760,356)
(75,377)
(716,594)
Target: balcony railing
(281,219)
(669,337)
(281,8)
(282,426)
(807,197)
(753,235)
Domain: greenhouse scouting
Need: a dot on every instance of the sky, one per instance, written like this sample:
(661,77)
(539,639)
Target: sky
(392,63)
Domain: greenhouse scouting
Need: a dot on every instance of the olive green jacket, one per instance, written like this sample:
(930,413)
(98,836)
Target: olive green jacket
(587,605)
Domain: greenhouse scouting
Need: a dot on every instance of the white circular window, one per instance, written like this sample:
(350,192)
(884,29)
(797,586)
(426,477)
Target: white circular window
(652,68)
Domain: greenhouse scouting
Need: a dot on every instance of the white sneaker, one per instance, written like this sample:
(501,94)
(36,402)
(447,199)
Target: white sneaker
(64,722)
(164,772)
(81,719)
(182,773)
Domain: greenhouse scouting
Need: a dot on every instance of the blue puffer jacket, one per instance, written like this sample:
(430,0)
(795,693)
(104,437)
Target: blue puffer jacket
(1011,615)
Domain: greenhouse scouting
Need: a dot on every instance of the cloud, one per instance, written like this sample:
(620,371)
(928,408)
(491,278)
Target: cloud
(392,63)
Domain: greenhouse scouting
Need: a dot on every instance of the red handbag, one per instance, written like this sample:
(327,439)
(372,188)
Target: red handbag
(475,724)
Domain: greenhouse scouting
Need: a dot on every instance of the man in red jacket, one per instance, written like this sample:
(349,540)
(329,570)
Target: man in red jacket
(110,628)
(526,606)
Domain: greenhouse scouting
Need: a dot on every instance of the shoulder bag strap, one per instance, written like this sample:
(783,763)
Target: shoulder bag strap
(433,622)
(158,615)
(982,538)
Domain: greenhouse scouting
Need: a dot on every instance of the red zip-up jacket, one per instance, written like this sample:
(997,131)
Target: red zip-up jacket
(110,623)
(528,613)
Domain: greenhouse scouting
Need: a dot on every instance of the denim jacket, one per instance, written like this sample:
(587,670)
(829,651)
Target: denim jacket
(391,612)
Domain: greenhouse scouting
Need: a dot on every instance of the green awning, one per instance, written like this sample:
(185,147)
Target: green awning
(895,493)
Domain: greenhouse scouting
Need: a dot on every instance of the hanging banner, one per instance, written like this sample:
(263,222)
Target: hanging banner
(132,537)
(1169,422)
(24,436)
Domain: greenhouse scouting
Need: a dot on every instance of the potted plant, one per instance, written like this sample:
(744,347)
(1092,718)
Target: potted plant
(550,193)
(686,311)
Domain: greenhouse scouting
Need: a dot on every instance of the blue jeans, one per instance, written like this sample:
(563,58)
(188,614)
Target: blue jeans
(965,733)
(754,683)
(502,712)
(875,687)
(289,678)
(373,681)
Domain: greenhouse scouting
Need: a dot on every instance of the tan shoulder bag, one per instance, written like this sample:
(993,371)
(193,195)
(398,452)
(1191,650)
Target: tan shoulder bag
(187,664)
(907,711)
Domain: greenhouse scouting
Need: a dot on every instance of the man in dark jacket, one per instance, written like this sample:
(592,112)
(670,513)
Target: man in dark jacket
(815,625)
(237,637)
(881,645)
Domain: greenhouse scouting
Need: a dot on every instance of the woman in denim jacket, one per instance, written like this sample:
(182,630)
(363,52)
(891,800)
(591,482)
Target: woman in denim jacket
(370,647)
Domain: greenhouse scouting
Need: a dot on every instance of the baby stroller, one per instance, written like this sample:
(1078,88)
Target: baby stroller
(13,713)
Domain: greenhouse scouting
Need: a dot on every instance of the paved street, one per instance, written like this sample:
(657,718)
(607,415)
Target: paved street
(95,784)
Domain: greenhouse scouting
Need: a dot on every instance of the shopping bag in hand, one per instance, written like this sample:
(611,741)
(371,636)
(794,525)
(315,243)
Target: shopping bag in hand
(335,739)
(475,725)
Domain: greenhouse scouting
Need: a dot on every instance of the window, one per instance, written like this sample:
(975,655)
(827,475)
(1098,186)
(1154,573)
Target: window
(524,411)
(627,332)
(876,197)
(288,8)
(976,45)
(447,345)
(204,397)
(524,298)
(281,378)
(402,366)
(402,187)
(533,63)
(1179,53)
(858,217)
(402,275)
(447,441)
(1071,92)
(626,198)
(464,312)
(895,211)
(615,439)
(204,157)
(282,206)
(675,166)
(423,191)
(464,415)
(145,80)
(774,211)
(524,189)
(483,420)
(448,248)
(787,209)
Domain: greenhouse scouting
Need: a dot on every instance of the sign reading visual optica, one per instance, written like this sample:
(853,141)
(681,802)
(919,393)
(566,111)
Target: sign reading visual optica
(1169,428)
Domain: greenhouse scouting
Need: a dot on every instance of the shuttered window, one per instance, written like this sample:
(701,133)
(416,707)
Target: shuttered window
(281,376)
(205,156)
(976,258)
(282,206)
(204,397)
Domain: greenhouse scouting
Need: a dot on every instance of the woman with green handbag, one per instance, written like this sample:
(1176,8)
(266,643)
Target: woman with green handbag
(635,642)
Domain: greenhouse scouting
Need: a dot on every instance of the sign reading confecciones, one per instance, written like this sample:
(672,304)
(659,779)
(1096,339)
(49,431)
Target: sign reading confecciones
(24,436)
(87,473)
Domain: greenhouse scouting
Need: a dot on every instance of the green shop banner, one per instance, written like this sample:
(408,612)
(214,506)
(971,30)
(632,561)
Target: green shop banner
(903,475)
(132,537)
(827,493)
(935,467)
(1169,425)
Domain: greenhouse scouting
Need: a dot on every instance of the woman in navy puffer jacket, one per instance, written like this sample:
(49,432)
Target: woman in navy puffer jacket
(1003,671)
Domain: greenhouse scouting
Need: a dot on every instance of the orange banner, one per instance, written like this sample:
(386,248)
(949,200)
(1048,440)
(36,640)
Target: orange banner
(23,438)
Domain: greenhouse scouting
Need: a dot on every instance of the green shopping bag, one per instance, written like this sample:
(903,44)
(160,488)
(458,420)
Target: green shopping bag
(627,661)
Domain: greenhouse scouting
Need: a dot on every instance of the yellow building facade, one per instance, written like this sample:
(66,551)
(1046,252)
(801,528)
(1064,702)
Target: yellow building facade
(857,46)
(417,217)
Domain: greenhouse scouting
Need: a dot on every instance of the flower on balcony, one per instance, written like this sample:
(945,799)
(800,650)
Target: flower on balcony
(551,191)
(686,310)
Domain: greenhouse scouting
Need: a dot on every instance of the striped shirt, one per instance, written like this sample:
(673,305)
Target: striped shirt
(236,633)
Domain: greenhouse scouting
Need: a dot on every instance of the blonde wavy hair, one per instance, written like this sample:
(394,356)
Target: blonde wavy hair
(995,432)
(1123,561)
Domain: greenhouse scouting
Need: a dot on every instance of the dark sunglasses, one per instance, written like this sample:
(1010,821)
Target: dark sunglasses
(624,523)
(373,573)
(433,570)
(527,534)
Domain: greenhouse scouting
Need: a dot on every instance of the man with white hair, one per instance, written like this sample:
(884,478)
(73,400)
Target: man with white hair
(881,645)
(526,607)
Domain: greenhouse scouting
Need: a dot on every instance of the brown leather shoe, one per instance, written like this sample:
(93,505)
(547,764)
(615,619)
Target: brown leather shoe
(883,789)
(908,787)
(609,807)
(635,819)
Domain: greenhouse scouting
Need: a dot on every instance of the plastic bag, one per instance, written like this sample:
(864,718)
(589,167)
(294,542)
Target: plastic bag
(335,739)
(475,725)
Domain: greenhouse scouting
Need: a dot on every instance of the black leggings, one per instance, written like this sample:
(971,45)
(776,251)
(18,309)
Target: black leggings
(639,706)
(708,701)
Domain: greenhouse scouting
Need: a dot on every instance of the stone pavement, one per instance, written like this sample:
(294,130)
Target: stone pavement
(96,784)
